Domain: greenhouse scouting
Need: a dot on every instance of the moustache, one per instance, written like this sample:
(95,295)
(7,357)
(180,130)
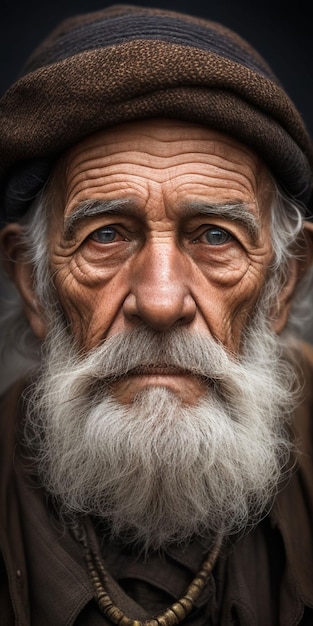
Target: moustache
(142,351)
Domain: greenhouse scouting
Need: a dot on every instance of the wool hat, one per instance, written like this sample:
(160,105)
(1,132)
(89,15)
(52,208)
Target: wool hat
(128,63)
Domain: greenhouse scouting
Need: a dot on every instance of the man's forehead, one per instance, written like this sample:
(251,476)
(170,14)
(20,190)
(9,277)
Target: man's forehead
(156,149)
(87,170)
(169,136)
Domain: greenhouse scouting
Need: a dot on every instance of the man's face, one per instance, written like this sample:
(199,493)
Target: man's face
(165,417)
(165,224)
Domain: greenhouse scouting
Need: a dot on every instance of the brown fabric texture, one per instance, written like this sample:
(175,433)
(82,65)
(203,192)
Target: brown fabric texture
(127,63)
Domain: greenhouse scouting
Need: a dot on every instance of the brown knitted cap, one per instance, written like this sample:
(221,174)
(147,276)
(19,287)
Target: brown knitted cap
(127,63)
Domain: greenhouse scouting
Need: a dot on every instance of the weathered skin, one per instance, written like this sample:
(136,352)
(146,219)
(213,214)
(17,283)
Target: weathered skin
(158,264)
(159,268)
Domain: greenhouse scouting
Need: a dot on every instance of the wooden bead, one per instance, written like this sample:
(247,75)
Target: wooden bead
(179,610)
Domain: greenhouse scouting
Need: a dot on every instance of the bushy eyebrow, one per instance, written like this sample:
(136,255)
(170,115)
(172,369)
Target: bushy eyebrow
(239,212)
(92,208)
(234,211)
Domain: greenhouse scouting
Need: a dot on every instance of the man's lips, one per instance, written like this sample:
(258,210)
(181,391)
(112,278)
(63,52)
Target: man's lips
(162,371)
(186,384)
(159,370)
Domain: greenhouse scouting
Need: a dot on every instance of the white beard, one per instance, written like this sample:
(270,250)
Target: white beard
(159,471)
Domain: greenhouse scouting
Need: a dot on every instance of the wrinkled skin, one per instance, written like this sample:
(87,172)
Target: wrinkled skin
(157,258)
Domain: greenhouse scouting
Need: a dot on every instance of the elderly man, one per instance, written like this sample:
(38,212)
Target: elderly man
(156,460)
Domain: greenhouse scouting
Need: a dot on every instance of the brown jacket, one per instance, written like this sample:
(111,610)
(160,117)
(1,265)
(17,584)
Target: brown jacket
(262,579)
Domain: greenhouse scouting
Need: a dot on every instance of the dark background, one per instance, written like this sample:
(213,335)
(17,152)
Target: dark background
(280,30)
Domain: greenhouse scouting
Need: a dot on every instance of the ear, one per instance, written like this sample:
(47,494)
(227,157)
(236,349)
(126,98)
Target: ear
(20,272)
(299,264)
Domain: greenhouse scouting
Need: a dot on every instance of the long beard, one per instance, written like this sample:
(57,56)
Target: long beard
(159,471)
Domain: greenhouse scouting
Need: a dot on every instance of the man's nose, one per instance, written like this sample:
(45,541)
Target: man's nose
(160,293)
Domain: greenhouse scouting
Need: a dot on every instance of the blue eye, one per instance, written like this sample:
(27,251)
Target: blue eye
(216,236)
(107,234)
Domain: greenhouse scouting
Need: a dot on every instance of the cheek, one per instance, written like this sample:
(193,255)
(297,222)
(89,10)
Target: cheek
(227,306)
(91,301)
(244,307)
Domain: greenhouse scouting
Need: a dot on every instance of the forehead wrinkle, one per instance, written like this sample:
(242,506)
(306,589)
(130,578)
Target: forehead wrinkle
(93,208)
(235,211)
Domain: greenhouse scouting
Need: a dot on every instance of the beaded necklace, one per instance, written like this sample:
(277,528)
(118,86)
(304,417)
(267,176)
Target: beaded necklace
(173,615)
